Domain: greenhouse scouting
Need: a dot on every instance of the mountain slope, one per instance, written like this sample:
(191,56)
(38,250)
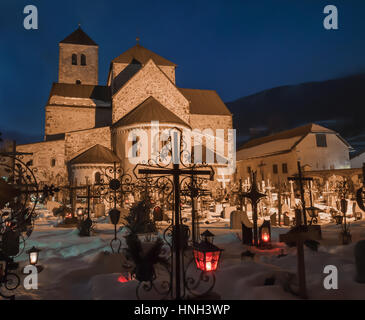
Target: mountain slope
(338,104)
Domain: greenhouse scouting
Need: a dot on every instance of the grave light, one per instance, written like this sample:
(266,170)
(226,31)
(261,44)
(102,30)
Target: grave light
(33,255)
(208,236)
(265,235)
(207,256)
(80,212)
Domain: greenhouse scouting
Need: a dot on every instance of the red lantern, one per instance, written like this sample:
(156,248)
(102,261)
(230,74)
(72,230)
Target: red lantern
(207,256)
(265,235)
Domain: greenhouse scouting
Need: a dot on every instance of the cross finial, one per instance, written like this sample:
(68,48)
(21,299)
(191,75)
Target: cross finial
(138,39)
(79,24)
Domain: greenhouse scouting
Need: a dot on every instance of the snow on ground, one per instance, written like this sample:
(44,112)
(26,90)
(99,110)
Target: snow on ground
(85,268)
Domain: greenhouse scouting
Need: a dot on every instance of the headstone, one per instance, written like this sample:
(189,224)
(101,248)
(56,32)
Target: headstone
(50,205)
(227,212)
(286,219)
(99,210)
(273,219)
(218,209)
(235,219)
(360,261)
(246,220)
(247,236)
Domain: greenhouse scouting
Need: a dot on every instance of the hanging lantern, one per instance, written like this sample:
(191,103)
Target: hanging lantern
(33,255)
(207,256)
(208,236)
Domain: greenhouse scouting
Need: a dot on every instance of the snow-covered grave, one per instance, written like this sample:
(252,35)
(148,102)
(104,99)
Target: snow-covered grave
(84,267)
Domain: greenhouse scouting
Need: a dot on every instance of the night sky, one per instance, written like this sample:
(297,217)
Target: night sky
(235,47)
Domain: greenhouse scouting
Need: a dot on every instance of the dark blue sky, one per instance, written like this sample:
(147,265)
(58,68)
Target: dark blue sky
(235,47)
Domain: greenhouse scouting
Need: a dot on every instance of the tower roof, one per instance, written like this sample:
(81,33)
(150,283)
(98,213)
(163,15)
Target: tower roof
(96,154)
(142,55)
(150,110)
(79,37)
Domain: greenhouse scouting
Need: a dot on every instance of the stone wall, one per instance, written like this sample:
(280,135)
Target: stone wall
(150,81)
(69,73)
(131,70)
(49,160)
(61,119)
(80,141)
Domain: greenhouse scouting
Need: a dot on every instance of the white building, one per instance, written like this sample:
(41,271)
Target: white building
(275,157)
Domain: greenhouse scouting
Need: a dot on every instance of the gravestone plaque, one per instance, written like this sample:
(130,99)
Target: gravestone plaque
(360,261)
(286,220)
(273,219)
(235,219)
(227,212)
(99,210)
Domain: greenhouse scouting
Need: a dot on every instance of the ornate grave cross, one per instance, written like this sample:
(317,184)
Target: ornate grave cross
(159,171)
(240,194)
(194,190)
(254,196)
(301,179)
(87,223)
(261,165)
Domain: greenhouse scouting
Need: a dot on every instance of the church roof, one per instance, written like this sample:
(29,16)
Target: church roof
(280,142)
(142,55)
(85,91)
(96,154)
(150,110)
(79,37)
(205,102)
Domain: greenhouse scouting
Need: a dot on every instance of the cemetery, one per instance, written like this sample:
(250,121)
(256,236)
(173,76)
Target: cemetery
(140,189)
(265,245)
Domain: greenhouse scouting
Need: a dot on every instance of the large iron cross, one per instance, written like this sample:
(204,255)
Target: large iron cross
(176,172)
(301,179)
(88,197)
(254,196)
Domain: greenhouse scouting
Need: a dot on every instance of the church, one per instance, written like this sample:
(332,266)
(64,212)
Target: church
(88,125)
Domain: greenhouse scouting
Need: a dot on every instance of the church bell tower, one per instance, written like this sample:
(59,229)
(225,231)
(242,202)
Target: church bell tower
(78,59)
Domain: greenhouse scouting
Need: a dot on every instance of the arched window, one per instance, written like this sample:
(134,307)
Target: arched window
(97,177)
(78,81)
(53,162)
(74,59)
(83,60)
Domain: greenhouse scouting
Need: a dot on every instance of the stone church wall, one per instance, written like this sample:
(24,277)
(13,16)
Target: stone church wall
(61,119)
(80,141)
(150,81)
(48,158)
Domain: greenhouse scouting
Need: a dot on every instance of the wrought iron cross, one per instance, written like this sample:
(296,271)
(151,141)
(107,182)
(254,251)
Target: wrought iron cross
(301,179)
(176,172)
(254,196)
